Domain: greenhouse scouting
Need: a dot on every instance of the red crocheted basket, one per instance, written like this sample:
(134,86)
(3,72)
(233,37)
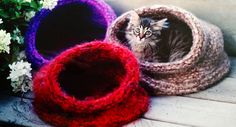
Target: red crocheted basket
(93,84)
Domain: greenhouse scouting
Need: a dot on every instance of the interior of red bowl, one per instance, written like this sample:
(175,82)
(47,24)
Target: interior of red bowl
(91,76)
(67,25)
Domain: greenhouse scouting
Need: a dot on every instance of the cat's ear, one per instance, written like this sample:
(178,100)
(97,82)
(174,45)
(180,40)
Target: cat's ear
(134,18)
(159,25)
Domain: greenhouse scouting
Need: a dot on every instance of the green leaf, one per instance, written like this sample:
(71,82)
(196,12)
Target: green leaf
(3,14)
(33,5)
(26,4)
(7,1)
(18,7)
(16,51)
(17,14)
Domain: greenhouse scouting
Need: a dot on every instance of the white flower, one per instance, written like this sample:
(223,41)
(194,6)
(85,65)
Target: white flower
(29,1)
(49,4)
(1,21)
(5,41)
(29,15)
(16,36)
(20,76)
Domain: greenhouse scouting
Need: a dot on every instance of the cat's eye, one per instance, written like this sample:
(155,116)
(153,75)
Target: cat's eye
(148,33)
(137,31)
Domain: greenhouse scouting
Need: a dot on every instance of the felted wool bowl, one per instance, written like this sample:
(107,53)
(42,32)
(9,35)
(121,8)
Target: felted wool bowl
(69,23)
(92,84)
(204,64)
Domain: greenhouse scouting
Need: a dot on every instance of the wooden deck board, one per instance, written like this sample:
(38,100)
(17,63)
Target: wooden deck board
(224,91)
(167,111)
(18,111)
(214,107)
(151,123)
(193,112)
(232,73)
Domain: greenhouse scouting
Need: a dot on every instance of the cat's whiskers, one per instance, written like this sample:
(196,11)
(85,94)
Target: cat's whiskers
(122,31)
(143,34)
(124,40)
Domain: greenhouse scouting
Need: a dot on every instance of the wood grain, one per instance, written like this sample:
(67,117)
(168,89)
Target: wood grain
(224,91)
(193,112)
(232,73)
(214,107)
(19,112)
(151,123)
(172,111)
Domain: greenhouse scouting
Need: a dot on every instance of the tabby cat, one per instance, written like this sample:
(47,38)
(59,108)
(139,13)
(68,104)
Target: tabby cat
(145,37)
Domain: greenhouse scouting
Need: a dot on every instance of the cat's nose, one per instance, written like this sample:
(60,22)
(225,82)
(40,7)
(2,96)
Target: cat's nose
(141,36)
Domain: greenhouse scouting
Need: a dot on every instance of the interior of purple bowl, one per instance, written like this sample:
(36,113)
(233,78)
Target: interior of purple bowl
(67,25)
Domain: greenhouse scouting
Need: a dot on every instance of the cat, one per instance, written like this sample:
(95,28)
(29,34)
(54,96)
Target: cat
(144,35)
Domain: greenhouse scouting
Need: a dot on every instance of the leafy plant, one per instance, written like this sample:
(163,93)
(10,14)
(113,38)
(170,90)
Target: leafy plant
(14,19)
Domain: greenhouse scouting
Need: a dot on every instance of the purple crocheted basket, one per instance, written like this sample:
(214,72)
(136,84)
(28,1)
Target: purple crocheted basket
(70,22)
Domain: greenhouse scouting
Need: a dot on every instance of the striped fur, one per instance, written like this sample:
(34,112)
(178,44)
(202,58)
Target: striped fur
(164,45)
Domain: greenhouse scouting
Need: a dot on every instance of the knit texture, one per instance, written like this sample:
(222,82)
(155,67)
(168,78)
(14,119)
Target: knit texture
(69,23)
(90,85)
(205,63)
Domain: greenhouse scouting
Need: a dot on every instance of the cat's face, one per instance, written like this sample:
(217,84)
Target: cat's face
(144,30)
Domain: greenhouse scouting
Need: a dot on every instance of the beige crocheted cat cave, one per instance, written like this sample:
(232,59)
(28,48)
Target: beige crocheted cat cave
(203,65)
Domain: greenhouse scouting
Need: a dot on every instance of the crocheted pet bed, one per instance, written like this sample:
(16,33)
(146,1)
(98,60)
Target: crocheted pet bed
(70,22)
(203,63)
(92,84)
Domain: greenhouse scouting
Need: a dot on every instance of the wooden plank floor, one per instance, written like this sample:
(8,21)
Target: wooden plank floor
(214,107)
